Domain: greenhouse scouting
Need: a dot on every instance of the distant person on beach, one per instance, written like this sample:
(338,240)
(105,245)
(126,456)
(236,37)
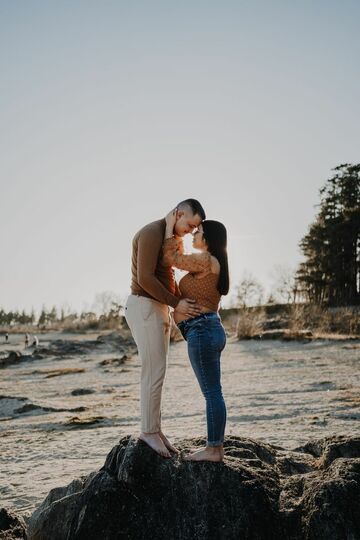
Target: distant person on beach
(206,281)
(147,312)
(6,337)
(26,340)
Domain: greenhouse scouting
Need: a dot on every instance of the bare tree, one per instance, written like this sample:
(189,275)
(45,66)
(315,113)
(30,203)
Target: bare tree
(284,288)
(249,291)
(107,302)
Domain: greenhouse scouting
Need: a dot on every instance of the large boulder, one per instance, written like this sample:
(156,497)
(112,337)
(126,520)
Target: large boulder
(260,491)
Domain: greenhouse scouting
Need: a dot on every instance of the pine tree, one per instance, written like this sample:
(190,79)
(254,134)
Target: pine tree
(42,317)
(331,271)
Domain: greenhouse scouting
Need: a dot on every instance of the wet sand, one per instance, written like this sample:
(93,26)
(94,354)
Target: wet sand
(280,392)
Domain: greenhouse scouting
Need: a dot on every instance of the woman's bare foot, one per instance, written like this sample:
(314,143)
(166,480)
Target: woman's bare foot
(168,443)
(210,453)
(156,443)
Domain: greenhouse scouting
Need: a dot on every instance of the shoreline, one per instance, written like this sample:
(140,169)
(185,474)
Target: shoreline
(84,394)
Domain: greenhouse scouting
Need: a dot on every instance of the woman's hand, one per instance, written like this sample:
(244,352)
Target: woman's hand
(179,245)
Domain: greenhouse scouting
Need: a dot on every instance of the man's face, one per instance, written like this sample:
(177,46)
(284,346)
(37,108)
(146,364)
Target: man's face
(186,222)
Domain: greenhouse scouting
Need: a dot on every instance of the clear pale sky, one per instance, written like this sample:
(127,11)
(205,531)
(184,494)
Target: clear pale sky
(113,111)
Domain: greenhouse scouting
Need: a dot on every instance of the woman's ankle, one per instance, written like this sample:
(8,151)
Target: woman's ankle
(216,449)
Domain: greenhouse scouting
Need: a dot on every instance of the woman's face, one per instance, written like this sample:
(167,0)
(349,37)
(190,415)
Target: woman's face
(198,239)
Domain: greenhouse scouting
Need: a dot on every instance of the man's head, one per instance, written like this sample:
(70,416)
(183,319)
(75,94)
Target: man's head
(189,215)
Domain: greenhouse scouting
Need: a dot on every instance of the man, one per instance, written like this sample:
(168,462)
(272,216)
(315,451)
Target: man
(153,290)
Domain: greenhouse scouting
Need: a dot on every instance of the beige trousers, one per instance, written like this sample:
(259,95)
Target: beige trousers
(149,322)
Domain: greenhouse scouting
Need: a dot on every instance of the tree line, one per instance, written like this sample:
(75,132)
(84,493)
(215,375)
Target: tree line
(107,308)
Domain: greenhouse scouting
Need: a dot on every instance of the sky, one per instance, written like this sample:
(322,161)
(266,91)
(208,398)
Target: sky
(114,111)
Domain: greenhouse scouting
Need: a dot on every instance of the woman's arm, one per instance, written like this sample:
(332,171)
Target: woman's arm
(173,251)
(196,262)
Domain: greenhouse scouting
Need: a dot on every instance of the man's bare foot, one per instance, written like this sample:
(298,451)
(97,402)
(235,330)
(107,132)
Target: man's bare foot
(156,443)
(210,453)
(168,443)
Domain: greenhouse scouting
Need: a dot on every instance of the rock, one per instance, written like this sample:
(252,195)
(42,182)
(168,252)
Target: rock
(62,498)
(114,342)
(272,334)
(57,372)
(30,407)
(12,527)
(61,371)
(114,361)
(115,338)
(82,391)
(80,422)
(261,491)
(299,335)
(331,448)
(15,357)
(275,323)
(62,347)
(10,406)
(285,335)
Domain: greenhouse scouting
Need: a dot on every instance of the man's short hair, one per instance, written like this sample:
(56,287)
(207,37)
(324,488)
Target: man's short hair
(195,207)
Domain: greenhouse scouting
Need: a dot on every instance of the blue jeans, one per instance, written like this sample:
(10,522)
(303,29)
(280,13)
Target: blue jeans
(206,338)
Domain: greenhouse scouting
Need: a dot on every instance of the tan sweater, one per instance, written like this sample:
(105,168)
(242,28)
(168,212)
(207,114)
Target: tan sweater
(151,277)
(202,289)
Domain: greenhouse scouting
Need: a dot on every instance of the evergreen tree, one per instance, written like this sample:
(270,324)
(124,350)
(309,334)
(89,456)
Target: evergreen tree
(330,272)
(42,317)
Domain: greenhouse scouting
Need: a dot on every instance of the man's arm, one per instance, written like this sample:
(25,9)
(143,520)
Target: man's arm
(149,246)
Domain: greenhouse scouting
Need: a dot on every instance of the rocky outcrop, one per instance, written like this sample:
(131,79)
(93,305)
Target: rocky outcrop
(12,527)
(122,345)
(12,406)
(260,491)
(114,342)
(16,357)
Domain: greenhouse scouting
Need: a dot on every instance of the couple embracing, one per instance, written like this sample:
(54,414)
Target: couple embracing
(156,250)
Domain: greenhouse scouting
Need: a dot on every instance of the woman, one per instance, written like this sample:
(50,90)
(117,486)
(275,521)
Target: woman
(207,279)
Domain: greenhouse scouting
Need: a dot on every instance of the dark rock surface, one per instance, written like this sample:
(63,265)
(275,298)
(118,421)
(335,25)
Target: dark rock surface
(12,527)
(16,357)
(114,361)
(113,342)
(283,334)
(261,491)
(117,339)
(61,348)
(82,391)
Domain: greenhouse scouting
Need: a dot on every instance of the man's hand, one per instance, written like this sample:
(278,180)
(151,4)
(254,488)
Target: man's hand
(171,220)
(188,307)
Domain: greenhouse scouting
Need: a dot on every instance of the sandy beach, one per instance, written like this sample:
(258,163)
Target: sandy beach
(61,414)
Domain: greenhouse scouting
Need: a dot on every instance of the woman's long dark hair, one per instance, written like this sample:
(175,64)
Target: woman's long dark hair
(216,238)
